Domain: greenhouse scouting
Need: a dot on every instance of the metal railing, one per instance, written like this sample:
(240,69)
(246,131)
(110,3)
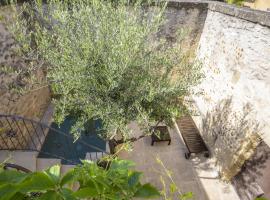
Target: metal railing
(19,133)
(8,166)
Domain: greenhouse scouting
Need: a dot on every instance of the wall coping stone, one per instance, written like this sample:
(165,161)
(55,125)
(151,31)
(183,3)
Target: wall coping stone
(189,3)
(252,15)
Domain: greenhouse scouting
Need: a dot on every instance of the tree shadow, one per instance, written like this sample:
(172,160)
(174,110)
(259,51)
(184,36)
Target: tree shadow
(247,182)
(224,130)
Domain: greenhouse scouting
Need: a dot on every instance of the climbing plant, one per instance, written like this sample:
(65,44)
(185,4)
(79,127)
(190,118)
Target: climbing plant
(106,60)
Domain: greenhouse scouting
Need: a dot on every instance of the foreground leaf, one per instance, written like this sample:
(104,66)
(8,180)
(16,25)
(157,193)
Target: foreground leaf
(67,194)
(122,164)
(18,196)
(86,192)
(186,196)
(12,176)
(54,173)
(50,195)
(147,191)
(7,191)
(38,181)
(134,178)
(67,178)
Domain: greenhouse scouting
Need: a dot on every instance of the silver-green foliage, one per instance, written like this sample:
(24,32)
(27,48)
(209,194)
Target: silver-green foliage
(236,2)
(107,60)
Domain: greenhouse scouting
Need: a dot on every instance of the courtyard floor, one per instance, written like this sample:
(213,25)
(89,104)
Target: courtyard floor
(196,175)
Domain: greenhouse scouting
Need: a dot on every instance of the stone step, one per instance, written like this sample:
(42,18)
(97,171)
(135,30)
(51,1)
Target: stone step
(45,163)
(66,168)
(26,159)
(107,147)
(94,156)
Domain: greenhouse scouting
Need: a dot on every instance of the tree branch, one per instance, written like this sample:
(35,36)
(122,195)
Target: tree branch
(134,139)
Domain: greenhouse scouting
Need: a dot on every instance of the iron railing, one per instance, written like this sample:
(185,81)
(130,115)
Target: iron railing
(19,133)
(8,166)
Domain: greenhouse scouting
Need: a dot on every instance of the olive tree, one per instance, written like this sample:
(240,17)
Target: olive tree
(107,60)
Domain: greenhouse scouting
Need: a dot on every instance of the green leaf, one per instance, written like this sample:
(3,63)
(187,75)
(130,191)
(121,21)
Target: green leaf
(54,173)
(101,183)
(186,196)
(38,181)
(86,192)
(261,198)
(173,188)
(67,194)
(18,196)
(134,178)
(121,164)
(67,178)
(50,195)
(92,183)
(7,191)
(12,176)
(147,191)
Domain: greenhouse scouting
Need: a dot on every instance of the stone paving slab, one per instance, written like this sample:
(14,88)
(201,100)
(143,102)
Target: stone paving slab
(26,159)
(194,175)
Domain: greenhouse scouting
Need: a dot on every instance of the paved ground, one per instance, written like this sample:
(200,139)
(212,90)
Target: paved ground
(196,175)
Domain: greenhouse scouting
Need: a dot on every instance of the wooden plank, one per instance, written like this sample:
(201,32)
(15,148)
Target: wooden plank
(191,135)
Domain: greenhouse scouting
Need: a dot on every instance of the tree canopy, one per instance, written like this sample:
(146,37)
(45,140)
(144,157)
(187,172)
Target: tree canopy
(107,60)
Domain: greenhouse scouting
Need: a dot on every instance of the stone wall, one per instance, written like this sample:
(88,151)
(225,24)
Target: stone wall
(188,16)
(234,49)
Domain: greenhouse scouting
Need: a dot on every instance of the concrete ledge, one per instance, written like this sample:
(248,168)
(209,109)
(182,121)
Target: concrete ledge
(190,4)
(252,15)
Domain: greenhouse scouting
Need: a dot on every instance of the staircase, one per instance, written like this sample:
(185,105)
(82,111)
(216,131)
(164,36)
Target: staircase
(22,142)
(29,160)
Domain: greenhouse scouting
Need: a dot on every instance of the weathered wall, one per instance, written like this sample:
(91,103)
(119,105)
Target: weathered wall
(188,16)
(234,49)
(235,54)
